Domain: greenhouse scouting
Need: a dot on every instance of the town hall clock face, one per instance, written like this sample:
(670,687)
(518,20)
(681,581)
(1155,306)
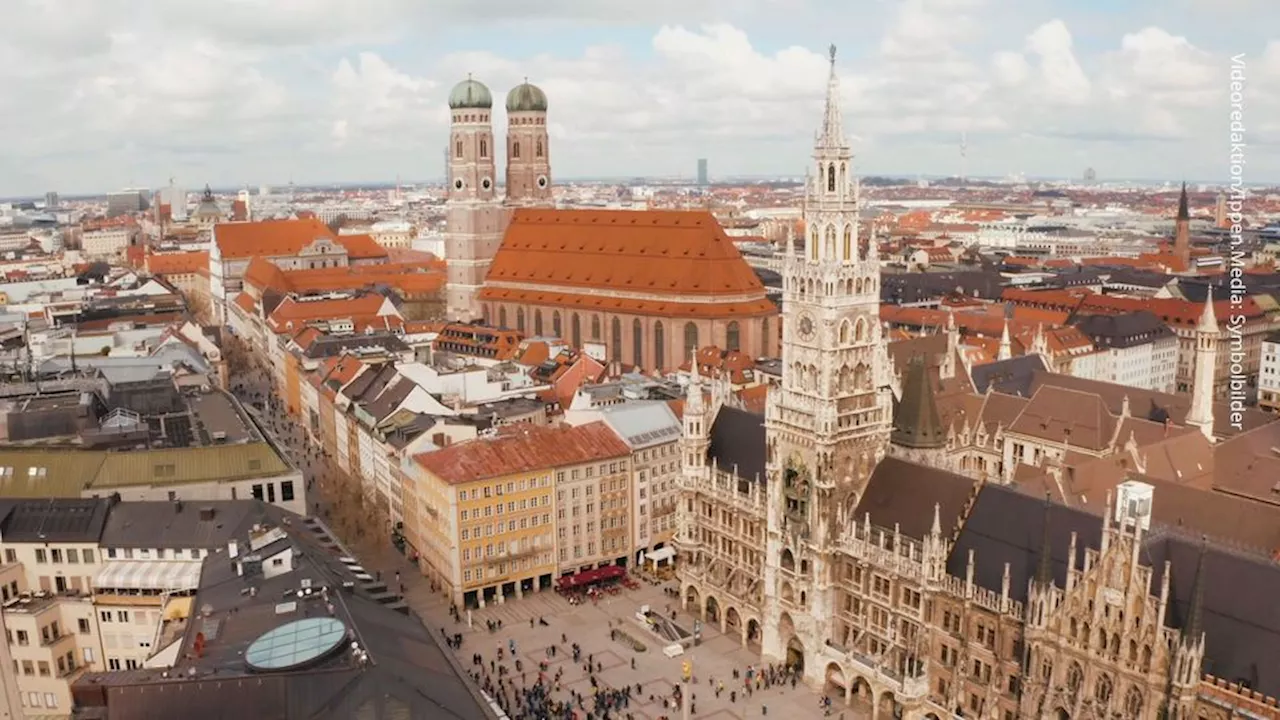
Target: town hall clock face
(806,327)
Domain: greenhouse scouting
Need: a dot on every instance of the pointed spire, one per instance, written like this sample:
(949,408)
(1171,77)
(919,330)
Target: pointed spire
(693,394)
(1044,571)
(1006,346)
(1208,319)
(916,423)
(936,530)
(1184,212)
(1193,629)
(832,123)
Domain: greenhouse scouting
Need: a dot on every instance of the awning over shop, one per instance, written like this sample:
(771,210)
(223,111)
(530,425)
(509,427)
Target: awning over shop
(661,554)
(168,575)
(586,577)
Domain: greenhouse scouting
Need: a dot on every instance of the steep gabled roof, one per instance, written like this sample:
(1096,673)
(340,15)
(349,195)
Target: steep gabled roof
(663,252)
(916,423)
(270,238)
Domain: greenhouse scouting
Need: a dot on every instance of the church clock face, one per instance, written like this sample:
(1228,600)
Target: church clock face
(806,327)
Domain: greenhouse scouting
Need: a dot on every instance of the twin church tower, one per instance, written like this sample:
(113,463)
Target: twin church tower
(476,216)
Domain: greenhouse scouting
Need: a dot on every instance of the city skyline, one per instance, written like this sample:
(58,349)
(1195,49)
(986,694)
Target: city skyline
(264,93)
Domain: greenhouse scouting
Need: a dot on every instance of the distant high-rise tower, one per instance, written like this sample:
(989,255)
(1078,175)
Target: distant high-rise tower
(1090,176)
(473,212)
(50,200)
(703,180)
(1219,212)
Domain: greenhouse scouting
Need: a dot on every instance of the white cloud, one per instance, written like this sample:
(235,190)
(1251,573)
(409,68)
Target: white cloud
(130,91)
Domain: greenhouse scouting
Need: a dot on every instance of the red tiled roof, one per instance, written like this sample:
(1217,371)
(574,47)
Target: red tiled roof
(297,312)
(270,238)
(654,251)
(362,247)
(523,448)
(408,278)
(177,263)
(749,308)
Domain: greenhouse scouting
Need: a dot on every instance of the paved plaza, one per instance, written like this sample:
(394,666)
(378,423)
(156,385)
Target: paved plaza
(588,625)
(713,660)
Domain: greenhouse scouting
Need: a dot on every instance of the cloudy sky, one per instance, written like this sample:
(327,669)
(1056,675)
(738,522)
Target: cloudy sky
(101,94)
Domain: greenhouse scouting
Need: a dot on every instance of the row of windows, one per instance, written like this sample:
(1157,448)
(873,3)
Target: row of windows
(146,553)
(286,491)
(539,151)
(733,333)
(511,506)
(477,531)
(475,493)
(55,556)
(502,567)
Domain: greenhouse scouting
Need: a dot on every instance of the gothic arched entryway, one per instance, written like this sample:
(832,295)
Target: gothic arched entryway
(713,609)
(795,654)
(1061,714)
(753,633)
(732,621)
(691,599)
(835,680)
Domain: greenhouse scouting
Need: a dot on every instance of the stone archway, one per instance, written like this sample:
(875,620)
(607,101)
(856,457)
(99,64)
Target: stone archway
(692,599)
(834,683)
(712,612)
(860,694)
(1061,714)
(753,633)
(732,621)
(795,654)
(889,707)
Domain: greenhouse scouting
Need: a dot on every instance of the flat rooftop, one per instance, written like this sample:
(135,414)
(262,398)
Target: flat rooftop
(366,648)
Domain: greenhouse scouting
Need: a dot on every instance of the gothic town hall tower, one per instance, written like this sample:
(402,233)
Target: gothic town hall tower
(829,423)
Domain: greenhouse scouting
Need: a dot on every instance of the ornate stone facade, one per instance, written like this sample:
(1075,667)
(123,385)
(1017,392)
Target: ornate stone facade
(816,552)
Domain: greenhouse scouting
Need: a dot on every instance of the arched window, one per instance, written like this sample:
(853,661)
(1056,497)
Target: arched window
(484,148)
(637,343)
(539,148)
(555,324)
(831,242)
(764,338)
(537,322)
(484,314)
(595,328)
(515,150)
(502,317)
(831,178)
(616,337)
(659,346)
(813,244)
(731,339)
(690,338)
(576,330)
(520,319)
(457,150)
(848,241)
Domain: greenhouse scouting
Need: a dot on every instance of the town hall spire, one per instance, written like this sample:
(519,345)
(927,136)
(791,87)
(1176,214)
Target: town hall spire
(832,134)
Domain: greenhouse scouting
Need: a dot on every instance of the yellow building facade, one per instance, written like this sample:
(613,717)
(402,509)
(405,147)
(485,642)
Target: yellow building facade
(482,515)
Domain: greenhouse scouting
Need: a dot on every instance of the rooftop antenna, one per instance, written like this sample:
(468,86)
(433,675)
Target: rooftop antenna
(964,158)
